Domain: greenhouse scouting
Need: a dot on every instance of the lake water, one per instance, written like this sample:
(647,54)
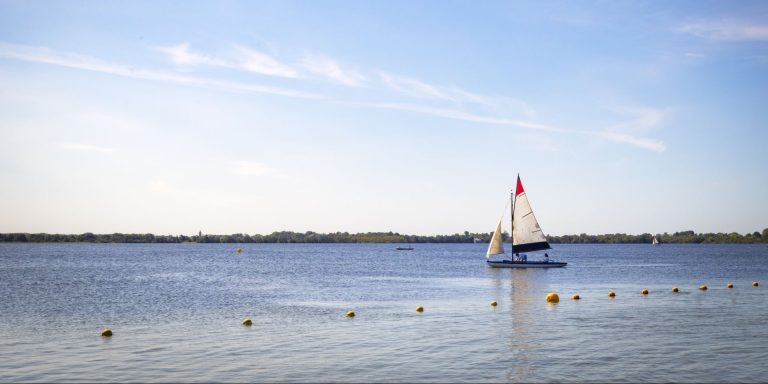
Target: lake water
(176,313)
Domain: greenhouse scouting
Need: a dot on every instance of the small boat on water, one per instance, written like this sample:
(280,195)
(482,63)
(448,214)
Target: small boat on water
(405,248)
(655,241)
(527,236)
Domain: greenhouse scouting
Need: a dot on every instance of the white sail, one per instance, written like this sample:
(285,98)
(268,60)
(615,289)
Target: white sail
(496,246)
(527,235)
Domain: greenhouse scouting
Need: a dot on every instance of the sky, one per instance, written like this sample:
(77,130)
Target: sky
(407,116)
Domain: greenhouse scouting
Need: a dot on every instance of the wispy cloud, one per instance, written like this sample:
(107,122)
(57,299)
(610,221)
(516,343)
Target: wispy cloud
(645,143)
(85,148)
(637,121)
(46,56)
(331,69)
(466,116)
(727,30)
(180,54)
(243,58)
(419,89)
(259,62)
(250,168)
(647,120)
(412,87)
(445,102)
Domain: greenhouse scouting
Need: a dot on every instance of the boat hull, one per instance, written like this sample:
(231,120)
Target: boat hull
(525,264)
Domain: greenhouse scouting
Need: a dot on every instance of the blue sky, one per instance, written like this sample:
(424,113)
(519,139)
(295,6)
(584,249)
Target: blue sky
(415,117)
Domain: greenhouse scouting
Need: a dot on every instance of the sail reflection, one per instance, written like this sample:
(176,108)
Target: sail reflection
(523,343)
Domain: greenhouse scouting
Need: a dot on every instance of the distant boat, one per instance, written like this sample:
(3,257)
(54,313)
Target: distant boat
(655,241)
(406,248)
(527,236)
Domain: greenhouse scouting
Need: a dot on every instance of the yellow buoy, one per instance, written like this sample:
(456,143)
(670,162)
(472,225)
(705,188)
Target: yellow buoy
(238,250)
(730,285)
(350,313)
(247,322)
(576,297)
(755,284)
(703,287)
(419,309)
(611,294)
(674,289)
(644,291)
(553,298)
(106,332)
(494,303)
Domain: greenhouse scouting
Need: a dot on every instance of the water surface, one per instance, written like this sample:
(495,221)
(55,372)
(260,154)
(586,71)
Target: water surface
(176,311)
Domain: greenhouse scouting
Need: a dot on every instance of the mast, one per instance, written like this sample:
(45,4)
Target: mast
(512,221)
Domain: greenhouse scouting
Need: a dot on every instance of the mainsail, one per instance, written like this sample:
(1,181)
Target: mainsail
(495,247)
(527,236)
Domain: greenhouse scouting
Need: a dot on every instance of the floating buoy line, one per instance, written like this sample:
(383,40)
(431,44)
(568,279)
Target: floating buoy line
(551,298)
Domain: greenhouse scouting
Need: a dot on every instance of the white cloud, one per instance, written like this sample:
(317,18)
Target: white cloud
(616,137)
(264,64)
(643,120)
(250,168)
(412,87)
(180,54)
(243,58)
(329,68)
(649,118)
(418,89)
(466,116)
(46,56)
(85,148)
(727,31)
(640,119)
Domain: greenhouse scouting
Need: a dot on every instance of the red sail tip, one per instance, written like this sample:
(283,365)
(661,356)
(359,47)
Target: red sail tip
(519,189)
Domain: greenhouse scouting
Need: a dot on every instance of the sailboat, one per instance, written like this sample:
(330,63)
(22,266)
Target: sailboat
(407,248)
(655,241)
(527,236)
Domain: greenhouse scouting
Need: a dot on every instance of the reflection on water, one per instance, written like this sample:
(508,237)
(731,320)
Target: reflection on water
(176,312)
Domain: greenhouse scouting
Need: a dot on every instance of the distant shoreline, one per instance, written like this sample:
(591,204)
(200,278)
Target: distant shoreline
(685,237)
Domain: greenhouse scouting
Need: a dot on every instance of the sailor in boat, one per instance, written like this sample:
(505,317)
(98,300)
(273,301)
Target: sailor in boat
(546,258)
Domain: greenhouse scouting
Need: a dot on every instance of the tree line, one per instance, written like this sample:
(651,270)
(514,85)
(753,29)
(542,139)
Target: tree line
(274,237)
(685,237)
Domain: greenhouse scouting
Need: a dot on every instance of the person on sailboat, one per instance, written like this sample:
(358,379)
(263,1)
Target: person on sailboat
(546,258)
